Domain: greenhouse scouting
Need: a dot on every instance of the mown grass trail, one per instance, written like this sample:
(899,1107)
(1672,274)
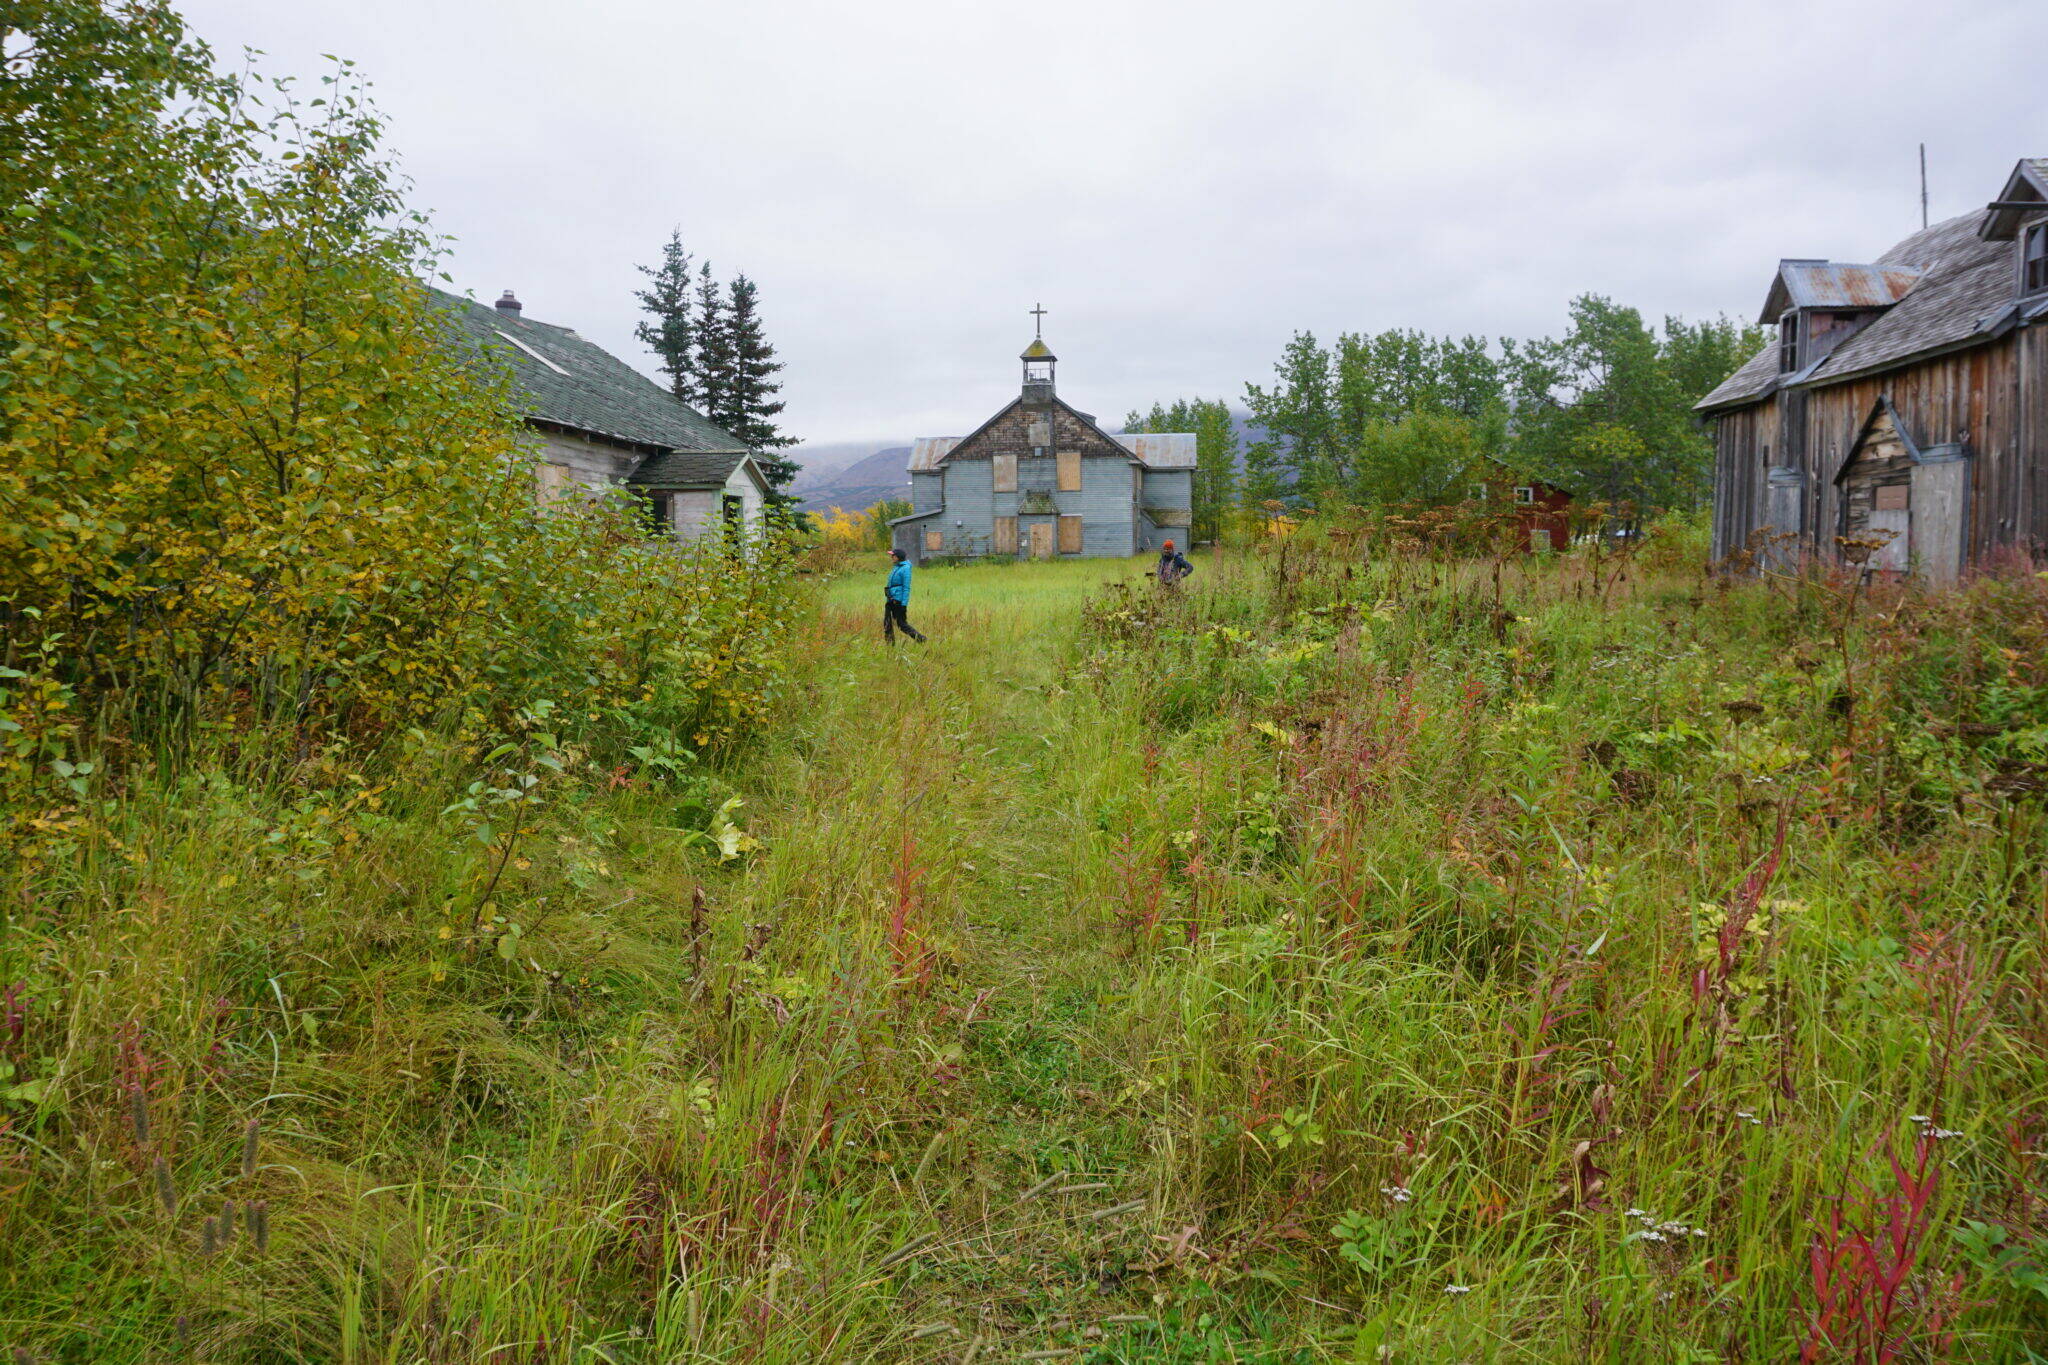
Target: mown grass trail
(963,770)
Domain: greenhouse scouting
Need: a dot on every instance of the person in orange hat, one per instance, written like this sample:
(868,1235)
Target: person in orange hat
(1173,566)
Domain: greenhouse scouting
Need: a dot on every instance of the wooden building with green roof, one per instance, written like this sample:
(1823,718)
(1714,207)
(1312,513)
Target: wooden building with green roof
(599,423)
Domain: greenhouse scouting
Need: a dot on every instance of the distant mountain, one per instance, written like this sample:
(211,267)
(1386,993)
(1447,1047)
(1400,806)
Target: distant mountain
(822,461)
(861,484)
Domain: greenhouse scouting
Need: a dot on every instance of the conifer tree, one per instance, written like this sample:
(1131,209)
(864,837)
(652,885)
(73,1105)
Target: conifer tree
(713,363)
(750,402)
(672,333)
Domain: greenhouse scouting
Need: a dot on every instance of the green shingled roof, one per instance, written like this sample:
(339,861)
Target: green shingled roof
(1038,350)
(574,384)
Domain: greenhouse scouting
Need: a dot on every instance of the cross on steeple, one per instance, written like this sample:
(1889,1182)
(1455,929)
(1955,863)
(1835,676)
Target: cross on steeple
(1038,321)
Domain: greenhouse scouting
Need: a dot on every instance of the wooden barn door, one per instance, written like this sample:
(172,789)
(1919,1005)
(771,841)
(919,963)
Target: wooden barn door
(1041,540)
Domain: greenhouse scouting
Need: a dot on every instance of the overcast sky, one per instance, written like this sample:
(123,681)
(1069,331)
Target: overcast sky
(1183,183)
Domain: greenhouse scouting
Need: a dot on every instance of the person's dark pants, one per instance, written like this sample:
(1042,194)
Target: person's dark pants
(896,615)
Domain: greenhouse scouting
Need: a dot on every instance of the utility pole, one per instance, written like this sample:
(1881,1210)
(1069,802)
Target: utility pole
(1923,186)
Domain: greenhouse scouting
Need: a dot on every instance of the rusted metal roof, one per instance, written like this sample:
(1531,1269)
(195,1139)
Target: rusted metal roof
(927,451)
(1963,294)
(1161,449)
(1832,284)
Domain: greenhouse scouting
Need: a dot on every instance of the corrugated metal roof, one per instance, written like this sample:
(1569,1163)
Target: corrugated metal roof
(1964,291)
(1967,283)
(1831,284)
(1160,449)
(927,451)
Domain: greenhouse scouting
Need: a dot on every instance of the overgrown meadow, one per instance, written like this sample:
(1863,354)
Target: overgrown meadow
(435,929)
(1357,955)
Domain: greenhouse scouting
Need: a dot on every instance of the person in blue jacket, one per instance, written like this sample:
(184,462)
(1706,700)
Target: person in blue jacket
(896,601)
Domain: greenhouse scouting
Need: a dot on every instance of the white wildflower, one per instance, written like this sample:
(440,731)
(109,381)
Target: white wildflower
(1457,1289)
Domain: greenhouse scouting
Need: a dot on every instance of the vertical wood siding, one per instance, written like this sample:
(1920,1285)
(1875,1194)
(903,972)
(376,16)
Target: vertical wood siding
(1992,400)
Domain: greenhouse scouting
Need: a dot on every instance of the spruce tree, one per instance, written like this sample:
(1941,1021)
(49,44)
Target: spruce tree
(713,362)
(672,334)
(751,405)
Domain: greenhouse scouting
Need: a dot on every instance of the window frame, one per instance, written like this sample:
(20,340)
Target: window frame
(1525,495)
(1788,341)
(2034,258)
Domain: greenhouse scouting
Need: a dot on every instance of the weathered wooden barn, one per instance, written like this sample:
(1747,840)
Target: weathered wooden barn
(1041,478)
(598,423)
(1903,406)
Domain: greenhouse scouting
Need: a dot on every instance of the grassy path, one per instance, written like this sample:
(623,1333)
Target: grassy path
(959,775)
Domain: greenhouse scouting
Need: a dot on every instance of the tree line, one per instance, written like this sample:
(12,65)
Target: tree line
(716,354)
(1402,418)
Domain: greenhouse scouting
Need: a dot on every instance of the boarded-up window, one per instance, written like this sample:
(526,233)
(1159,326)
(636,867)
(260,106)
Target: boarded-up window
(934,541)
(1070,534)
(1893,497)
(1006,534)
(1006,473)
(1070,471)
(550,481)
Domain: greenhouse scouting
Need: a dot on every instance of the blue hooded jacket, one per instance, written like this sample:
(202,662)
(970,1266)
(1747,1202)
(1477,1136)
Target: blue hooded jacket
(899,583)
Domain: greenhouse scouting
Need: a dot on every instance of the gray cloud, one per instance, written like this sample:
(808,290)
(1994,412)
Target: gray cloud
(1182,182)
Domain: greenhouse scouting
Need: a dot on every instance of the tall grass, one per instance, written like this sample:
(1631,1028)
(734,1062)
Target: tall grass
(1342,954)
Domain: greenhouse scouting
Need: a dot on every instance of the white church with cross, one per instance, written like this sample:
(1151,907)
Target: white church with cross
(1041,479)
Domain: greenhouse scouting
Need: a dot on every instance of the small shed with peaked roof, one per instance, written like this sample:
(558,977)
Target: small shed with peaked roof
(599,423)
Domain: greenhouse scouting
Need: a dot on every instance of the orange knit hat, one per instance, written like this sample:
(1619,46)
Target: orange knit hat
(1169,545)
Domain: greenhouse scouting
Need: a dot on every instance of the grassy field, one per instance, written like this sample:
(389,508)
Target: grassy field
(1419,961)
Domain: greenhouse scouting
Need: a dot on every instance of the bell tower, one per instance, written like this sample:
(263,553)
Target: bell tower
(1038,362)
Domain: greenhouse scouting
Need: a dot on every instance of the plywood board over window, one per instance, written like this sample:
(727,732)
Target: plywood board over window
(1006,473)
(1006,535)
(1070,471)
(934,541)
(550,481)
(1070,535)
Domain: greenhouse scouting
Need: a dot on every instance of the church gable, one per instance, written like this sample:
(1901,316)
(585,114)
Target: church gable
(1018,432)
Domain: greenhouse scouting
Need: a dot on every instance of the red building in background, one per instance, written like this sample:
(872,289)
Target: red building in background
(1543,512)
